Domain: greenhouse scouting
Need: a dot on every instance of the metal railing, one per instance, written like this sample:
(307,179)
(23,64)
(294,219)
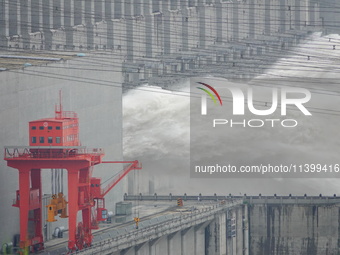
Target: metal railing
(260,199)
(66,114)
(34,152)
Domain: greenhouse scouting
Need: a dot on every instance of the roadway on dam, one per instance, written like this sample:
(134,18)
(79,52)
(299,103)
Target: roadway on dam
(151,214)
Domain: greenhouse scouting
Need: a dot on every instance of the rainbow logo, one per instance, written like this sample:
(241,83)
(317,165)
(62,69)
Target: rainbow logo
(209,93)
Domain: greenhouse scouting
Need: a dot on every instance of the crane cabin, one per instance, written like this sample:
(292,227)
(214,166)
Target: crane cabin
(62,131)
(58,135)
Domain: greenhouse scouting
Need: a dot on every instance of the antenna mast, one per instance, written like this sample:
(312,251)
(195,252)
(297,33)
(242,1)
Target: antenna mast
(59,108)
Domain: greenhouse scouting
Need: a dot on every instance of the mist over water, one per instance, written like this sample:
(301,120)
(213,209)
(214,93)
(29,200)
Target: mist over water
(157,129)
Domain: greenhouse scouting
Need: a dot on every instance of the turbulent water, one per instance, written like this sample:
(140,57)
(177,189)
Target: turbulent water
(157,129)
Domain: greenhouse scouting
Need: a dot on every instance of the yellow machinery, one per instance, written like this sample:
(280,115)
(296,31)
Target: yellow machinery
(137,220)
(58,205)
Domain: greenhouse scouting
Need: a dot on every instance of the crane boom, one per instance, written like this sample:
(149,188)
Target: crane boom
(133,165)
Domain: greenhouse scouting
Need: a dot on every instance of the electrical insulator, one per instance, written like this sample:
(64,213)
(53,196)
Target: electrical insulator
(179,202)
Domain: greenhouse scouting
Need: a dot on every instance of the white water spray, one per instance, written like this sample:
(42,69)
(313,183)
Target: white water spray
(156,129)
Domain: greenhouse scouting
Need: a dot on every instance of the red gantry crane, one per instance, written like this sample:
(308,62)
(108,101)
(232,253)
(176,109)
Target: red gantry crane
(54,144)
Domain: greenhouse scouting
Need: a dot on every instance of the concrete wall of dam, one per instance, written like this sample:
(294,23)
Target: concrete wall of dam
(265,228)
(172,26)
(294,229)
(160,38)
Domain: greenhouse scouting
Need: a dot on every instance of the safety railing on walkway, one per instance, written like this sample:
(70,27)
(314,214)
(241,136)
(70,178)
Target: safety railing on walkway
(50,152)
(260,199)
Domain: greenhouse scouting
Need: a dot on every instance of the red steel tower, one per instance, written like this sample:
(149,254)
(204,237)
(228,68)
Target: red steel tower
(54,144)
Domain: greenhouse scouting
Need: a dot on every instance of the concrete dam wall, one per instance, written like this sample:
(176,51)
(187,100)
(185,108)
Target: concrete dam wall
(274,228)
(166,38)
(294,229)
(147,28)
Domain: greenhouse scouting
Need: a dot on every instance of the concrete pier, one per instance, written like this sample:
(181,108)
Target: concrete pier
(47,24)
(4,23)
(25,22)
